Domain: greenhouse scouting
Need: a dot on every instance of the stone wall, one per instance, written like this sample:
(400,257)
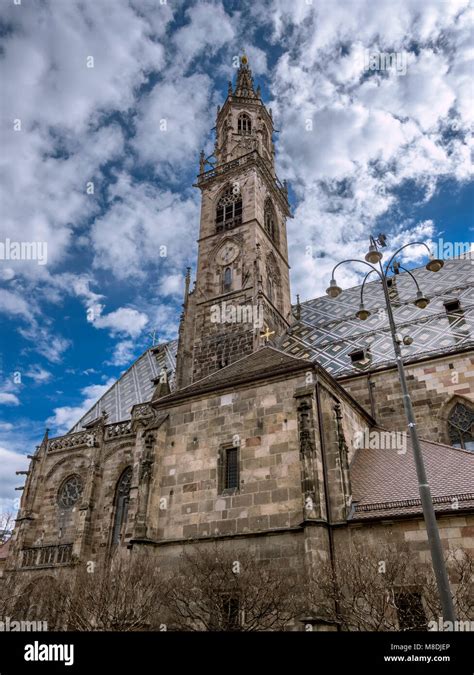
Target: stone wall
(433,386)
(455,531)
(262,421)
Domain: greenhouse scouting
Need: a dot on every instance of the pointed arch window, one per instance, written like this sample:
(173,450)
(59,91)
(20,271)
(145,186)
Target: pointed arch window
(461,427)
(229,209)
(244,124)
(68,498)
(270,220)
(227,280)
(122,498)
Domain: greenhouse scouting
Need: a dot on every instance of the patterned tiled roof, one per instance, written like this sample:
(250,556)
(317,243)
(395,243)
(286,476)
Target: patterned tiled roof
(328,331)
(134,386)
(384,483)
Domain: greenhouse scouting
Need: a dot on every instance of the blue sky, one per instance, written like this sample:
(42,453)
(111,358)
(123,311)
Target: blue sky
(364,150)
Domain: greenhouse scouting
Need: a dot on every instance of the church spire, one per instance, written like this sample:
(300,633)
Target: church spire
(244,85)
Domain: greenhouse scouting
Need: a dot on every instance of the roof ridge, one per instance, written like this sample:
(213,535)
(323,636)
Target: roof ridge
(450,447)
(235,363)
(423,440)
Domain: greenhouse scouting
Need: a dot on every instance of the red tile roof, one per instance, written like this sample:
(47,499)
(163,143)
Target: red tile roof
(384,483)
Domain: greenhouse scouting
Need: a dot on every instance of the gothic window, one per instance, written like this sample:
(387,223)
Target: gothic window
(232,469)
(265,138)
(270,220)
(231,613)
(410,612)
(70,492)
(229,209)
(229,470)
(122,498)
(226,614)
(244,124)
(227,280)
(461,427)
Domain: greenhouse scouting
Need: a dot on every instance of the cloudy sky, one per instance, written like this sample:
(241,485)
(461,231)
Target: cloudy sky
(89,168)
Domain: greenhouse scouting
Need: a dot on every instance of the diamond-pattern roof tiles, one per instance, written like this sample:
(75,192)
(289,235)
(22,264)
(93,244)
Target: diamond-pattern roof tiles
(135,385)
(328,330)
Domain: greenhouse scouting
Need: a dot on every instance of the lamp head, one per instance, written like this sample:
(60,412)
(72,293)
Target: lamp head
(421,300)
(333,290)
(373,255)
(434,264)
(362,312)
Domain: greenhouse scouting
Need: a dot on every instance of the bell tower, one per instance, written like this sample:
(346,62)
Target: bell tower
(241,297)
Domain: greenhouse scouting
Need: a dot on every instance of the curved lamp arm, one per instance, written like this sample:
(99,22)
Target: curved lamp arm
(363,284)
(412,276)
(413,243)
(363,262)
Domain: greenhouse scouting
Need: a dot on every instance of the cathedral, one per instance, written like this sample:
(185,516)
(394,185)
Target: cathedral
(276,427)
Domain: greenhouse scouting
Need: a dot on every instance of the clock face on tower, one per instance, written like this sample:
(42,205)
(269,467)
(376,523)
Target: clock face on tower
(227,254)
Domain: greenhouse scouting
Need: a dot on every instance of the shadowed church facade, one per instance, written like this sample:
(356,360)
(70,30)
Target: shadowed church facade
(248,428)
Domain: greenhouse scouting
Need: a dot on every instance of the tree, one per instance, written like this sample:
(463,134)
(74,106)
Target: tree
(460,564)
(119,592)
(216,589)
(384,588)
(7,523)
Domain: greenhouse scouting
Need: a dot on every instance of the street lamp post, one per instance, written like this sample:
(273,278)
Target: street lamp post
(373,258)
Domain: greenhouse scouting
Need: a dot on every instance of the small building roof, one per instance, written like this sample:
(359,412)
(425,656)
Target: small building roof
(384,482)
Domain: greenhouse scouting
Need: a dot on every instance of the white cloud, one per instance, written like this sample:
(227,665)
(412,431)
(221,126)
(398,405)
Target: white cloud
(125,321)
(124,353)
(66,417)
(6,426)
(8,399)
(38,374)
(165,319)
(10,462)
(60,103)
(370,132)
(14,305)
(176,114)
(209,29)
(142,219)
(172,285)
(51,346)
(6,273)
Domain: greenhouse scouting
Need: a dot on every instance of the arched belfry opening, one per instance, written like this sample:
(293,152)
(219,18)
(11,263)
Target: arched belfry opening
(244,124)
(229,209)
(270,220)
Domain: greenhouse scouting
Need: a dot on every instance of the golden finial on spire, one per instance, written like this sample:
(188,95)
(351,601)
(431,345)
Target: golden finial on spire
(243,59)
